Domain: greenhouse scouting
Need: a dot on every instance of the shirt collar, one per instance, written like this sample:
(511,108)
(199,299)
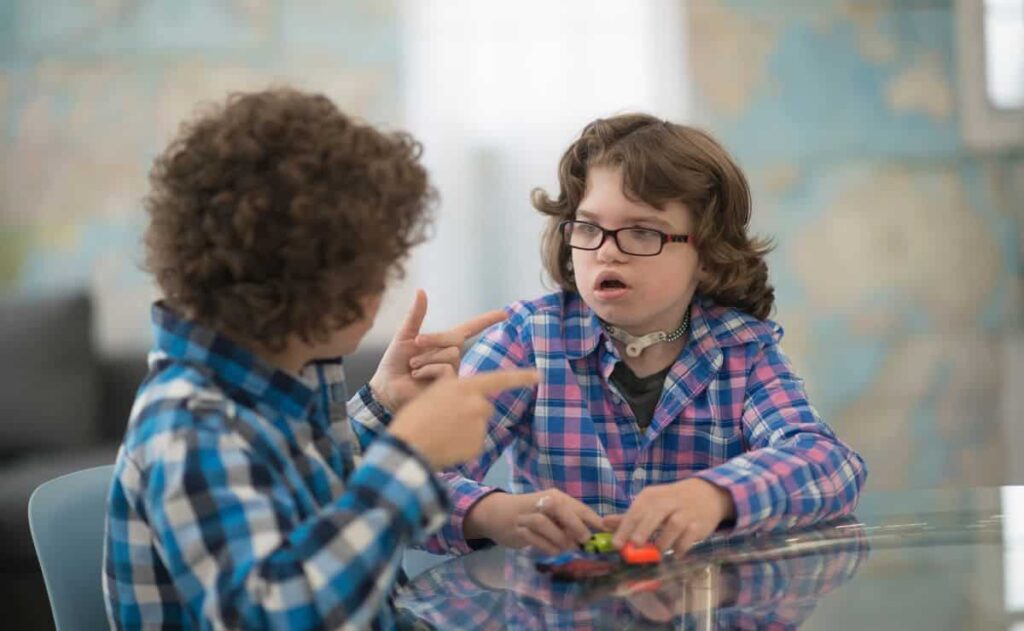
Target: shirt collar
(711,326)
(233,365)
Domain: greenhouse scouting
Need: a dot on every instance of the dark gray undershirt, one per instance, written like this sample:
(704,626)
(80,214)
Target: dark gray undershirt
(642,393)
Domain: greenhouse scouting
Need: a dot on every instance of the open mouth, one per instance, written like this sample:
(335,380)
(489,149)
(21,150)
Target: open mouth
(609,285)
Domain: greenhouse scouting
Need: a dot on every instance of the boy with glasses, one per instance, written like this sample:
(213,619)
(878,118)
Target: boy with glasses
(666,409)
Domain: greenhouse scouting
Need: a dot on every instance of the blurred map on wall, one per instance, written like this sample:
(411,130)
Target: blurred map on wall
(898,269)
(92,90)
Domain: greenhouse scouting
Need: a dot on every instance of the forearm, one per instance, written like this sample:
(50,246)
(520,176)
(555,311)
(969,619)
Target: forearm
(466,494)
(336,565)
(491,514)
(797,471)
(808,479)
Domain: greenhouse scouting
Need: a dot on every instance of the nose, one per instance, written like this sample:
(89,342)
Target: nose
(609,251)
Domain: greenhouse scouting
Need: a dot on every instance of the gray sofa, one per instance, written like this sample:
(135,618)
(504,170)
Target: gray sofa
(63,407)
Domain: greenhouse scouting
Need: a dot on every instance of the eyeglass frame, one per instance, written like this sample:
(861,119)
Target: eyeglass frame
(665,237)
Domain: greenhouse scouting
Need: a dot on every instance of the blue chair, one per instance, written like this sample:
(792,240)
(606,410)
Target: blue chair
(66,517)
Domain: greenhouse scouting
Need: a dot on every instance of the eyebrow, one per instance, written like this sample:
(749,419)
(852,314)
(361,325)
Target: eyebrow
(653,220)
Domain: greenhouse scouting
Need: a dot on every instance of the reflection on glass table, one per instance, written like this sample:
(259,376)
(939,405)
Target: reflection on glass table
(912,560)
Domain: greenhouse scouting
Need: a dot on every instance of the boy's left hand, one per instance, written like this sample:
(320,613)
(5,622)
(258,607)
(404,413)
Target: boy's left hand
(413,361)
(685,513)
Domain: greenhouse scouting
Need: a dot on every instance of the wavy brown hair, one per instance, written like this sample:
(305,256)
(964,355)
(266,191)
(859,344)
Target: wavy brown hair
(275,214)
(661,162)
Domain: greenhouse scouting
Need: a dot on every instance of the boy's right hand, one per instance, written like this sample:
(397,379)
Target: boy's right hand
(447,422)
(550,521)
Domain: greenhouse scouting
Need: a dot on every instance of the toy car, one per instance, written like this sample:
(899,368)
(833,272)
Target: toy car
(599,542)
(644,554)
(583,569)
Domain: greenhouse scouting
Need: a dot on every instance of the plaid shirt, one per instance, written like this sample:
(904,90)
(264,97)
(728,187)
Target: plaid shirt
(732,412)
(236,500)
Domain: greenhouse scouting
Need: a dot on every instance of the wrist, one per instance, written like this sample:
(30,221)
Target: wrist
(378,392)
(722,498)
(482,514)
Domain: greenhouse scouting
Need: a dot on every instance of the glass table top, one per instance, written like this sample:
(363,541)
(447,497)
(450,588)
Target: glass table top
(937,559)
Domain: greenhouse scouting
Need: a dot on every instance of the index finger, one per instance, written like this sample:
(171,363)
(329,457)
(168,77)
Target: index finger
(587,515)
(498,380)
(410,326)
(626,526)
(479,323)
(612,522)
(458,334)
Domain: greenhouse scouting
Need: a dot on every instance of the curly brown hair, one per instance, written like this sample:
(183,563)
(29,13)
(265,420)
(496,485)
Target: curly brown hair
(275,213)
(661,162)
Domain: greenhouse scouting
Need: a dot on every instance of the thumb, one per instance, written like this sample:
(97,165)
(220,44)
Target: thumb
(410,327)
(493,382)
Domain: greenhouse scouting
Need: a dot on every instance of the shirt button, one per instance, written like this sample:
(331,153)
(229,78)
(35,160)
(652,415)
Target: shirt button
(639,475)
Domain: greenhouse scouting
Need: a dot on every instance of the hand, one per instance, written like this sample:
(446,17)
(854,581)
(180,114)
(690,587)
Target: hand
(448,421)
(684,512)
(413,361)
(550,521)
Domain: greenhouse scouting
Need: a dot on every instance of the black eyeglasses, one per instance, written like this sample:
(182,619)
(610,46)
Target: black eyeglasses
(583,235)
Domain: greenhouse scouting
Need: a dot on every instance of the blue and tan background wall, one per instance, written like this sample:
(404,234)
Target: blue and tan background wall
(898,268)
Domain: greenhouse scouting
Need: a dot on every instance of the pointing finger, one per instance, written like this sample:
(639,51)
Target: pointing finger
(410,327)
(457,335)
(493,382)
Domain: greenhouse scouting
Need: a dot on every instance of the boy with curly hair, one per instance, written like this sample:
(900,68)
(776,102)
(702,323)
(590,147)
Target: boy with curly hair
(237,501)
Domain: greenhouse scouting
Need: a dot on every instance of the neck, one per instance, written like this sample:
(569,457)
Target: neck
(651,352)
(653,358)
(289,359)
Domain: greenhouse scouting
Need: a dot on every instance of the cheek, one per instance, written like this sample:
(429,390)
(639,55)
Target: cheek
(581,263)
(671,275)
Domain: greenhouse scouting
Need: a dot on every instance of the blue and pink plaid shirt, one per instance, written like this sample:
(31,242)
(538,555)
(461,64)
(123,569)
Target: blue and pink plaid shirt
(732,412)
(237,500)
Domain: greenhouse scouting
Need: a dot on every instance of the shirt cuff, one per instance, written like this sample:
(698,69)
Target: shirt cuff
(394,472)
(368,411)
(465,494)
(756,494)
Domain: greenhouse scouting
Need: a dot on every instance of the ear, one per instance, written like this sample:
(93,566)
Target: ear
(703,276)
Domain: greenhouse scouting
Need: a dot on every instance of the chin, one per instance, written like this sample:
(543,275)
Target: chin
(619,315)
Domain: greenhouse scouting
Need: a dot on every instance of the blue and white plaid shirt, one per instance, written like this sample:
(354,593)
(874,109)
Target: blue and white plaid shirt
(237,501)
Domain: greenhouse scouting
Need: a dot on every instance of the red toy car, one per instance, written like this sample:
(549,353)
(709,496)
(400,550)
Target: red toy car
(640,555)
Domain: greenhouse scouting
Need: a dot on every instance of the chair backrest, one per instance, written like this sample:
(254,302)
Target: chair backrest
(66,516)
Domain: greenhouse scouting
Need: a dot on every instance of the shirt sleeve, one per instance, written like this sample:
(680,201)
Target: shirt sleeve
(361,417)
(796,471)
(239,556)
(368,418)
(499,348)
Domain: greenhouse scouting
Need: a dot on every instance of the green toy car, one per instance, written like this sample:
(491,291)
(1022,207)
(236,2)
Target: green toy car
(599,542)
